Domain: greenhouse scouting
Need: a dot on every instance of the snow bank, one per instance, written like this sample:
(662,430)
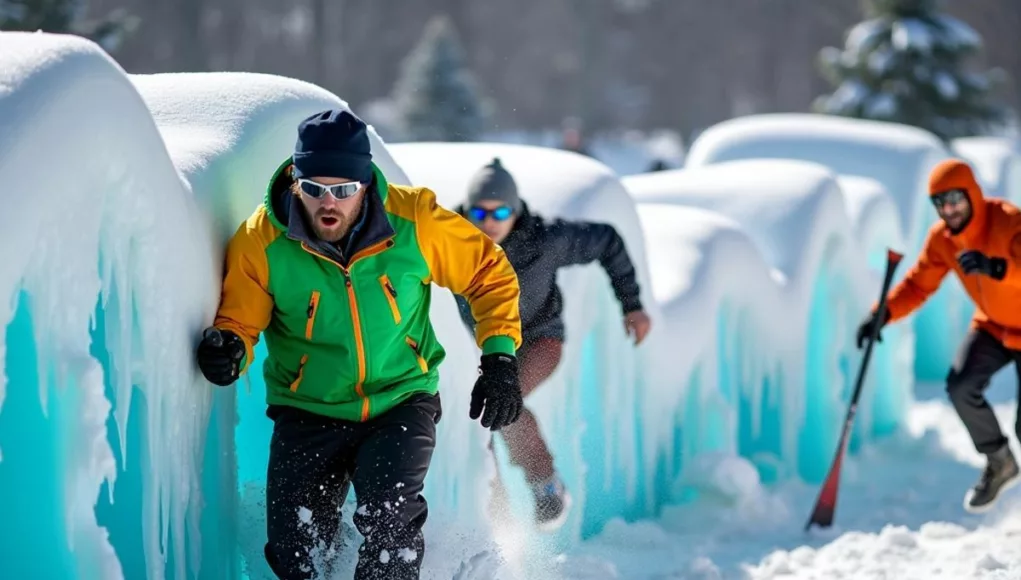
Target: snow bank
(104,285)
(997,163)
(761,257)
(899,157)
(107,297)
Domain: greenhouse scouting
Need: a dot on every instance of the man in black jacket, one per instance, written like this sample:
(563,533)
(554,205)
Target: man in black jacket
(537,248)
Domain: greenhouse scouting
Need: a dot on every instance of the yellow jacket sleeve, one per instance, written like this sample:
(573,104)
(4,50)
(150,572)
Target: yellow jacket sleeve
(245,302)
(466,261)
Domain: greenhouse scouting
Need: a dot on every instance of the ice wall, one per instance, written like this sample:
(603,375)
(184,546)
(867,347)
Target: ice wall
(118,460)
(770,260)
(899,157)
(105,282)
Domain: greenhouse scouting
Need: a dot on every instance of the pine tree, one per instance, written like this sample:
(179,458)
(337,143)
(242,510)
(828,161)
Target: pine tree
(436,96)
(67,17)
(908,64)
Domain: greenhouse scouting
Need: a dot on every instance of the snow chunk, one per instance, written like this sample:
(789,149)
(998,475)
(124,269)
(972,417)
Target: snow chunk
(942,531)
(407,554)
(988,562)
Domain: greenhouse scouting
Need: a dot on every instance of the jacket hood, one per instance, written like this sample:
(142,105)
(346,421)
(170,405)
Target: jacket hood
(956,174)
(277,192)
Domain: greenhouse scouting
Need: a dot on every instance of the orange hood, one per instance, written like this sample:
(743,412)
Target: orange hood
(956,174)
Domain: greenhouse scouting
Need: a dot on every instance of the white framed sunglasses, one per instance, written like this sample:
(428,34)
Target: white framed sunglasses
(317,190)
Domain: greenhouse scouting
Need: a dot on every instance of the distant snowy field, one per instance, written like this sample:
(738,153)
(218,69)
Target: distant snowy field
(697,455)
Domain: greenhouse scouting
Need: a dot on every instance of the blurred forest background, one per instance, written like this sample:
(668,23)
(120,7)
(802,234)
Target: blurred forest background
(529,69)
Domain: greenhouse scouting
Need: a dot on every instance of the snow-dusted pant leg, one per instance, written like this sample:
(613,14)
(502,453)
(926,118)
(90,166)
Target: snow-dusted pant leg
(525,446)
(979,358)
(310,459)
(389,477)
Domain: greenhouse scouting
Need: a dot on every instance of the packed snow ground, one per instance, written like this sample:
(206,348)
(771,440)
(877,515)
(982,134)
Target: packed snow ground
(899,516)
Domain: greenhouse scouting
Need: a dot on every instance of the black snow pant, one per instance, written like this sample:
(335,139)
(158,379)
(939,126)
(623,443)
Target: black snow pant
(979,358)
(313,460)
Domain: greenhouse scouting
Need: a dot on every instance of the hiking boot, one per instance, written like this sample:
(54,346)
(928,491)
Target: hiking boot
(1000,474)
(552,504)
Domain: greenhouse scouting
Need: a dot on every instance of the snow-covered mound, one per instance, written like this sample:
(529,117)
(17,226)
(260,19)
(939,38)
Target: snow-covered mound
(212,122)
(106,281)
(898,156)
(997,163)
(760,256)
(110,288)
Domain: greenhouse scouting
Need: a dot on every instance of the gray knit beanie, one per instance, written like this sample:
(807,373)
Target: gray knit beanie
(493,182)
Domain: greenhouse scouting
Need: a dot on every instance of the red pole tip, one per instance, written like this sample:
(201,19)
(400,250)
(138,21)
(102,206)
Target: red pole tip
(893,256)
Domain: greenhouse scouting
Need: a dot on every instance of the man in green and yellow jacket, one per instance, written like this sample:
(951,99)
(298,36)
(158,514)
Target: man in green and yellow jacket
(335,269)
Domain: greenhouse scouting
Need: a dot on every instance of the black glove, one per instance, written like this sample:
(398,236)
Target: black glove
(865,329)
(219,356)
(498,390)
(975,262)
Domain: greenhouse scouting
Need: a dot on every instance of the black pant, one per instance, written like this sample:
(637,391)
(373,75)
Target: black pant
(979,358)
(313,460)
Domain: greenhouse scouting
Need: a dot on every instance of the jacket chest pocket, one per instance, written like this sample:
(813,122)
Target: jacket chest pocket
(390,293)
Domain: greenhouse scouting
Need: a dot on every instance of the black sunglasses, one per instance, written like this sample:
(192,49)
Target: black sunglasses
(953,197)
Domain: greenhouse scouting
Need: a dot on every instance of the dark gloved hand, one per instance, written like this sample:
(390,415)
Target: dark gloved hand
(865,329)
(219,356)
(498,391)
(975,262)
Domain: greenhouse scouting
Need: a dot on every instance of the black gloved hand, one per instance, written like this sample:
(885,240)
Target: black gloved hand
(975,262)
(498,391)
(219,356)
(865,329)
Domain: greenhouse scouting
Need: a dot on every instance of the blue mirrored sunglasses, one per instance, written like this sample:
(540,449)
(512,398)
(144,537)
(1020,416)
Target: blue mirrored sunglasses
(318,190)
(478,214)
(953,197)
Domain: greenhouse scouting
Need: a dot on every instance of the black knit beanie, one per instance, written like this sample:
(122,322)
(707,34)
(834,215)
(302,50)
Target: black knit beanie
(333,143)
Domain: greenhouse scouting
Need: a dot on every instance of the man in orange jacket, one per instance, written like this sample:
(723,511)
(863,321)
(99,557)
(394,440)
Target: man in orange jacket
(980,240)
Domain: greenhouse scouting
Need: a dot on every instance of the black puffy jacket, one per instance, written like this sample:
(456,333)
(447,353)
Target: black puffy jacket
(537,248)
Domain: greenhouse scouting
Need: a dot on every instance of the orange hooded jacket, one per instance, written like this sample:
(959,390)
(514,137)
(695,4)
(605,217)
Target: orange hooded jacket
(994,230)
